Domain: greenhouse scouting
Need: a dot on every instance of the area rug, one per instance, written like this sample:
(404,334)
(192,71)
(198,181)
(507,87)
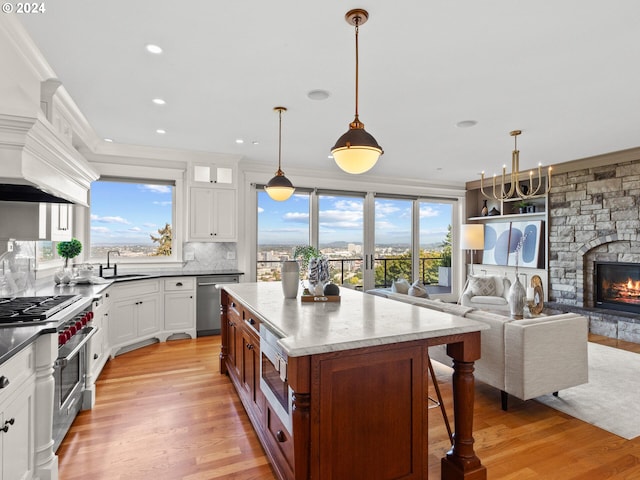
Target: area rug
(611,399)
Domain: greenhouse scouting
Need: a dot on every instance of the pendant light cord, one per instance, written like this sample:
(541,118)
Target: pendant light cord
(357,21)
(279,141)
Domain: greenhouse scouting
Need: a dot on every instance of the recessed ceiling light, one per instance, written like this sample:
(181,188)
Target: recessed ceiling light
(318,94)
(466,123)
(108,140)
(239,140)
(255,142)
(160,131)
(158,101)
(151,48)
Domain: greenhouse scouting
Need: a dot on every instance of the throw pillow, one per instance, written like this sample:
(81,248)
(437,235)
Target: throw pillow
(400,286)
(418,289)
(484,286)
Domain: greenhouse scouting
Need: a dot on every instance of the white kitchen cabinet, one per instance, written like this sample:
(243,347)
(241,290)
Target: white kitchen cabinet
(97,352)
(135,312)
(213,174)
(179,305)
(60,222)
(17,416)
(213,214)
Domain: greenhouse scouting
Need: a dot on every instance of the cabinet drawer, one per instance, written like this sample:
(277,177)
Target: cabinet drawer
(279,436)
(179,284)
(16,370)
(134,289)
(235,311)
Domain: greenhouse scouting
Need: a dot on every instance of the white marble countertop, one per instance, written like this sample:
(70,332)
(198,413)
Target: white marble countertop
(359,320)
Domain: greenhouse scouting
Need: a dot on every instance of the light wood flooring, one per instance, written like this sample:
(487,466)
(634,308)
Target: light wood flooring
(165,412)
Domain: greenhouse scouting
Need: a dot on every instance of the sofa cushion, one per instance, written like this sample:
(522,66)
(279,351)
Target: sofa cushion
(482,286)
(488,300)
(400,286)
(417,289)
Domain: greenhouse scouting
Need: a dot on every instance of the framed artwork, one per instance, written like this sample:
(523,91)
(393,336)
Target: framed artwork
(496,243)
(530,233)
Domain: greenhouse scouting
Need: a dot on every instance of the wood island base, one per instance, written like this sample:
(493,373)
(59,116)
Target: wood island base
(359,413)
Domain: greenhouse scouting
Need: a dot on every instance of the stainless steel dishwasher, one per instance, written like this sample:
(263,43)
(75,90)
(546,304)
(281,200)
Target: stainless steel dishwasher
(208,303)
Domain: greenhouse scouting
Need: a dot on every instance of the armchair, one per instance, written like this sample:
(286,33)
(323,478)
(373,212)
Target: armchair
(486,293)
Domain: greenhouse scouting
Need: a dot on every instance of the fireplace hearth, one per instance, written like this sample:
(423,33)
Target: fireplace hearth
(617,286)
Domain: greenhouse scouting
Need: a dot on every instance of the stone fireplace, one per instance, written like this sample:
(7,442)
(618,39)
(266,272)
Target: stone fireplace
(594,218)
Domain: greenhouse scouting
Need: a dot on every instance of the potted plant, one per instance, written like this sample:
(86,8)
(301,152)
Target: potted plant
(525,207)
(70,249)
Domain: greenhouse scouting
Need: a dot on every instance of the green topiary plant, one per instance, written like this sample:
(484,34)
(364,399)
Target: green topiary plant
(69,249)
(304,253)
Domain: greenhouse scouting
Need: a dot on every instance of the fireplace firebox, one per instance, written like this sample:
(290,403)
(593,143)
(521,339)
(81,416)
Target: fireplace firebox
(617,286)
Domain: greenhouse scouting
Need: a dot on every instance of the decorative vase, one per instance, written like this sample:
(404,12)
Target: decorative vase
(517,294)
(485,210)
(62,276)
(290,278)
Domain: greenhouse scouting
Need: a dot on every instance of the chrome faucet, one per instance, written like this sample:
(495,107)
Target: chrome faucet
(109,267)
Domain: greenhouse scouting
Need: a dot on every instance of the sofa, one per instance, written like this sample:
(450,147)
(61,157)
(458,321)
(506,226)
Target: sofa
(487,293)
(524,358)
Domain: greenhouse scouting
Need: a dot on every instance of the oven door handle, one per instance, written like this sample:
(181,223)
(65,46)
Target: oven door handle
(62,362)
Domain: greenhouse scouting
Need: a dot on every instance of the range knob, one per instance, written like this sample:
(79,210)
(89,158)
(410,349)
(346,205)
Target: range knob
(67,335)
(79,325)
(90,315)
(62,339)
(72,329)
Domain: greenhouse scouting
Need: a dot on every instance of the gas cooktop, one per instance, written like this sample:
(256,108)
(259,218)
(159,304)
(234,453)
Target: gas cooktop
(33,309)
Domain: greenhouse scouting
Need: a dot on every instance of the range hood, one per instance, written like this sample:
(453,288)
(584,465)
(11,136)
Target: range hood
(38,166)
(27,193)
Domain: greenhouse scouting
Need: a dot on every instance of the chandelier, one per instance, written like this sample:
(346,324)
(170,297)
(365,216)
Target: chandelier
(515,189)
(356,151)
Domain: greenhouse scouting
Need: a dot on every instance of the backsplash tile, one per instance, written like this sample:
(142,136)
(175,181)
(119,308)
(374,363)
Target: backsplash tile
(210,256)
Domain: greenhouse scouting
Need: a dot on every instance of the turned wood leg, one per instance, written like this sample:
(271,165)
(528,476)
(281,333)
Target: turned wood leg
(461,462)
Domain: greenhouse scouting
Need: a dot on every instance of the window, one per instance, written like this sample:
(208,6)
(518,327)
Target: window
(410,238)
(281,226)
(133,216)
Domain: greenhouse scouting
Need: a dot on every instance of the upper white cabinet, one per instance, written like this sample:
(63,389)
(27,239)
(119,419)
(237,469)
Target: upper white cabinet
(60,227)
(213,211)
(224,175)
(213,215)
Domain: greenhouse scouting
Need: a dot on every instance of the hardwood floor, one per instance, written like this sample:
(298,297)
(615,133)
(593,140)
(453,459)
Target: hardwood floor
(165,412)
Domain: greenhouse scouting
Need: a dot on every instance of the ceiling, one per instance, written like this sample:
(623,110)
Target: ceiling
(566,73)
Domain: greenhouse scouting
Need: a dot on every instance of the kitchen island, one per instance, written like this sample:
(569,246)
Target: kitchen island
(356,372)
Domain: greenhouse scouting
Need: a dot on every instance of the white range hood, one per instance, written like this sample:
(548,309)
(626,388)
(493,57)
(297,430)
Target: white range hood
(32,154)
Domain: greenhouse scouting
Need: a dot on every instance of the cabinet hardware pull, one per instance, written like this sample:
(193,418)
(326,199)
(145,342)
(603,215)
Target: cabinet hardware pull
(252,321)
(4,382)
(280,436)
(11,421)
(4,429)
(179,284)
(249,346)
(95,356)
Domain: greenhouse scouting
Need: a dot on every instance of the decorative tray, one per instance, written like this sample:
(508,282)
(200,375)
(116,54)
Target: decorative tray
(319,298)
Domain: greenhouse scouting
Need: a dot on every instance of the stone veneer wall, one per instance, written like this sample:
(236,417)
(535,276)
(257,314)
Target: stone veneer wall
(594,215)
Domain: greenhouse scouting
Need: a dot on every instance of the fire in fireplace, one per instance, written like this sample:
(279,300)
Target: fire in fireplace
(618,286)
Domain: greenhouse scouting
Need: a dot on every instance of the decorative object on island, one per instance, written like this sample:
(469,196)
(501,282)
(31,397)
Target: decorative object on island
(356,151)
(304,253)
(536,295)
(290,278)
(494,212)
(472,238)
(515,189)
(485,210)
(67,250)
(279,188)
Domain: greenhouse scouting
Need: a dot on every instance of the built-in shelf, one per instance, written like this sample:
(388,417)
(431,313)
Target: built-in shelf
(510,216)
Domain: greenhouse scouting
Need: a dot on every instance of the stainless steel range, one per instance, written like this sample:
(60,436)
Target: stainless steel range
(71,315)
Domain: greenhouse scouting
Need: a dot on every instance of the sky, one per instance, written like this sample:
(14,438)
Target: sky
(341,220)
(127,213)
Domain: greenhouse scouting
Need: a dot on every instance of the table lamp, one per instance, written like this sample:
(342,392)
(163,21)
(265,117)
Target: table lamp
(472,238)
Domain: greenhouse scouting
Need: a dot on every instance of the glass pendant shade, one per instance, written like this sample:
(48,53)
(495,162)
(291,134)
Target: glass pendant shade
(356,151)
(279,187)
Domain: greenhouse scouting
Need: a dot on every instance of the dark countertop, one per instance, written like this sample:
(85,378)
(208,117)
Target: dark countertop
(14,339)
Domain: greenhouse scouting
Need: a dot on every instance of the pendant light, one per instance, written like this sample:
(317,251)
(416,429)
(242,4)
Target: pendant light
(356,151)
(279,187)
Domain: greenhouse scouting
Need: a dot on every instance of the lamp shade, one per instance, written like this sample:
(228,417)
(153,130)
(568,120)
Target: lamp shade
(356,151)
(472,237)
(279,187)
